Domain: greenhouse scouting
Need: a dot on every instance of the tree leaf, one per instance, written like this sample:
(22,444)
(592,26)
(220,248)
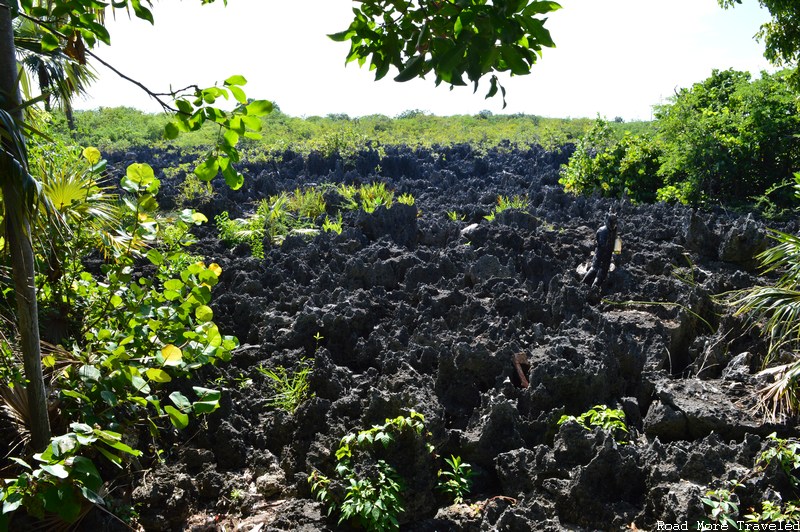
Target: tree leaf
(113,458)
(252,122)
(412,69)
(205,407)
(180,401)
(208,169)
(158,375)
(173,284)
(173,356)
(57,470)
(207,394)
(49,42)
(176,417)
(234,179)
(155,257)
(140,173)
(238,94)
(92,155)
(204,313)
(259,108)
(141,11)
(236,80)
(231,137)
(171,131)
(89,373)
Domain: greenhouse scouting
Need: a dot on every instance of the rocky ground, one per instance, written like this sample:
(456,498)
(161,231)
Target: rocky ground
(417,311)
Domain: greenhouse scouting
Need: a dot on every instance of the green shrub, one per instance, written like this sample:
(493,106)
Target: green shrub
(608,419)
(728,137)
(372,496)
(626,167)
(132,339)
(457,482)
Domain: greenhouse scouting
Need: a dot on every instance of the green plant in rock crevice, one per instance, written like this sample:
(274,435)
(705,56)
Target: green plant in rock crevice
(367,489)
(723,504)
(375,195)
(299,213)
(454,216)
(372,495)
(504,203)
(772,512)
(406,199)
(457,482)
(333,225)
(290,389)
(609,419)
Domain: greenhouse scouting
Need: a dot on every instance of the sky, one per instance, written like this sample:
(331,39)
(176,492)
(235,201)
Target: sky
(612,58)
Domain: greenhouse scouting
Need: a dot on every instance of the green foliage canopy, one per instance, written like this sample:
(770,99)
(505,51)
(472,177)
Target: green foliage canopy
(781,35)
(728,137)
(451,38)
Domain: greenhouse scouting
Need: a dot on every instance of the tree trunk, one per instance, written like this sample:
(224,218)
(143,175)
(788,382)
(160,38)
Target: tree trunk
(18,235)
(73,132)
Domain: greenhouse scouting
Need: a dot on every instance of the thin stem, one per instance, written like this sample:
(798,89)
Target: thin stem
(156,96)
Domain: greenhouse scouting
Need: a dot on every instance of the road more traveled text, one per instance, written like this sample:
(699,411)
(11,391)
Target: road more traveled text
(741,525)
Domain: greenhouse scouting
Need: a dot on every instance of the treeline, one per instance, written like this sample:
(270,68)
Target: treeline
(729,139)
(119,128)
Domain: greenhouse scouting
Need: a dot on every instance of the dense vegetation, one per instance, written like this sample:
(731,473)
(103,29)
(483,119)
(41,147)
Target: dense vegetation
(729,139)
(114,129)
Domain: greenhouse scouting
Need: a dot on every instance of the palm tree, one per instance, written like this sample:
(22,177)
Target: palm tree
(60,77)
(20,192)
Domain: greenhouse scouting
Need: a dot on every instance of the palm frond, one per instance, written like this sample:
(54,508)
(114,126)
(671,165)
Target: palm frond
(80,202)
(59,75)
(777,307)
(783,258)
(14,172)
(14,404)
(780,399)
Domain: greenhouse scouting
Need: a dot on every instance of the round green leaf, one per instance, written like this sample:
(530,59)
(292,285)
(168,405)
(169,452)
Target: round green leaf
(176,417)
(173,284)
(171,131)
(92,155)
(180,401)
(208,169)
(204,313)
(158,375)
(140,173)
(57,470)
(172,355)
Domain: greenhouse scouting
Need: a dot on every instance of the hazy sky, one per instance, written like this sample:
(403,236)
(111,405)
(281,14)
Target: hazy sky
(613,57)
